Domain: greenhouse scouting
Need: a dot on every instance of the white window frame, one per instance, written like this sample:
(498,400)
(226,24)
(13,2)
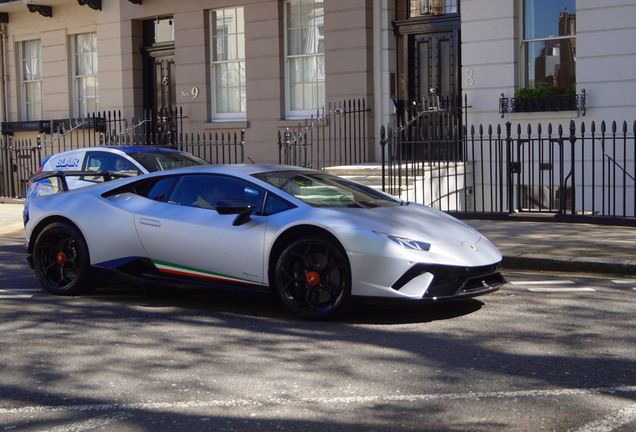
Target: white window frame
(84,74)
(313,52)
(31,83)
(232,59)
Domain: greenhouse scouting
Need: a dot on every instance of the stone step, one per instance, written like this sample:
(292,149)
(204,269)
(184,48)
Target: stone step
(368,176)
(371,169)
(367,180)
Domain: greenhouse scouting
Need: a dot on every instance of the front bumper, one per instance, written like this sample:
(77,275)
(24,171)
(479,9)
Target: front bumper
(429,282)
(451,282)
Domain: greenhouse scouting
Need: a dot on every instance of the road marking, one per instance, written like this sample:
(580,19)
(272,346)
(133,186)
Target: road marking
(552,288)
(20,290)
(561,289)
(14,293)
(17,277)
(625,282)
(94,423)
(36,409)
(612,421)
(544,282)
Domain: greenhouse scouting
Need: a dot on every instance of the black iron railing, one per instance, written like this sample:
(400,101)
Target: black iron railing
(578,173)
(423,154)
(582,174)
(337,135)
(20,158)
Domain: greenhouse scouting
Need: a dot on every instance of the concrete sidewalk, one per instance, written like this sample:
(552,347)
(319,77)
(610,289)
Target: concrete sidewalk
(525,245)
(11,223)
(553,246)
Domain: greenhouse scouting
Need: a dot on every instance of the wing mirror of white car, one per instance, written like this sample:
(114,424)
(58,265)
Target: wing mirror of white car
(243,210)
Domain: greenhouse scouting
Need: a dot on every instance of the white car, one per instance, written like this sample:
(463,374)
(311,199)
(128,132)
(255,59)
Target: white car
(313,238)
(116,161)
(126,161)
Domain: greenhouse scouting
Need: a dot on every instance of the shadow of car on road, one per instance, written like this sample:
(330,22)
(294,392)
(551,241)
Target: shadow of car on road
(265,305)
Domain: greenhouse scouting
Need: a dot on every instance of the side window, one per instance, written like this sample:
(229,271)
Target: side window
(160,190)
(110,162)
(206,191)
(155,188)
(93,162)
(122,165)
(274,204)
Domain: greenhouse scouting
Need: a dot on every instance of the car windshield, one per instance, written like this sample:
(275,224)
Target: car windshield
(161,161)
(326,190)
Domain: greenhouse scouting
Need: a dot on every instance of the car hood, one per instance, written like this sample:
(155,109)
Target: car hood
(410,220)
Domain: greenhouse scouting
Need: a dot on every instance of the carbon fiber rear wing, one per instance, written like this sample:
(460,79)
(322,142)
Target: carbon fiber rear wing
(62,175)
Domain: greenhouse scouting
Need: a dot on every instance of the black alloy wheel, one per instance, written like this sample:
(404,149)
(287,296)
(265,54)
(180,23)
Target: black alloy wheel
(60,259)
(313,278)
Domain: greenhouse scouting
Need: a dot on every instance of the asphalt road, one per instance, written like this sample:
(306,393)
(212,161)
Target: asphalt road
(549,351)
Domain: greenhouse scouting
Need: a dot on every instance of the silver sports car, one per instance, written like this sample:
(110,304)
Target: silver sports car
(314,239)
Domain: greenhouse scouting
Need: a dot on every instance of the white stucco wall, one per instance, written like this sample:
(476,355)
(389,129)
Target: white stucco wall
(605,49)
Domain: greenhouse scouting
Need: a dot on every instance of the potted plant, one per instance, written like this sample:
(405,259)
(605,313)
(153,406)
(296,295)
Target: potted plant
(544,98)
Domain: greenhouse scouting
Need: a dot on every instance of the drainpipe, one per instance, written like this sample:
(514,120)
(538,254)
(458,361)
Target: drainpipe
(3,70)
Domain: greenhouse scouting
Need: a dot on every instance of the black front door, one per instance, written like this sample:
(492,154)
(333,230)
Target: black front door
(434,67)
(159,79)
(429,66)
(429,60)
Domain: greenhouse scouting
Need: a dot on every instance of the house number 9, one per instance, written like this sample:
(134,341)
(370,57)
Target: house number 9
(193,93)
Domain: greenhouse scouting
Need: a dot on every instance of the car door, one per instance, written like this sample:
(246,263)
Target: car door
(184,236)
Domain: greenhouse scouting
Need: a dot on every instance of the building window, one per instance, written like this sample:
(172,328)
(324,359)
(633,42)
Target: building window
(31,79)
(549,45)
(228,63)
(432,7)
(305,57)
(163,30)
(85,85)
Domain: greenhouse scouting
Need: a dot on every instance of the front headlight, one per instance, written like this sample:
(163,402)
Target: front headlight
(407,242)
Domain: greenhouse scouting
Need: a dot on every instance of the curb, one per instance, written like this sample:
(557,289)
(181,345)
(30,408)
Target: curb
(12,201)
(572,265)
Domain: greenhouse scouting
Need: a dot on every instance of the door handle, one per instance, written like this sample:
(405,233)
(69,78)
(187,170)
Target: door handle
(150,222)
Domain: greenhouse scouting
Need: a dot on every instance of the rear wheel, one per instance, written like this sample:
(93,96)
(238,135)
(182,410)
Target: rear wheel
(313,278)
(60,259)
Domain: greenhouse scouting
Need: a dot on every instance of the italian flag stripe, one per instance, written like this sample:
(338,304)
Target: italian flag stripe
(188,271)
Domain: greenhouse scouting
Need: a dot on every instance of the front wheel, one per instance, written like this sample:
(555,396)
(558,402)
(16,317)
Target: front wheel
(60,259)
(313,278)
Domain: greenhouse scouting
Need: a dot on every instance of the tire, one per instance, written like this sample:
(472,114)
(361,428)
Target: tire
(313,278)
(61,260)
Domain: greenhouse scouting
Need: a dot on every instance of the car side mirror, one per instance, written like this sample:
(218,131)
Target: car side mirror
(243,210)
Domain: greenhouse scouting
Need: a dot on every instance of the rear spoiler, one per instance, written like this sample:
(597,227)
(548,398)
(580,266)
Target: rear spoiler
(106,175)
